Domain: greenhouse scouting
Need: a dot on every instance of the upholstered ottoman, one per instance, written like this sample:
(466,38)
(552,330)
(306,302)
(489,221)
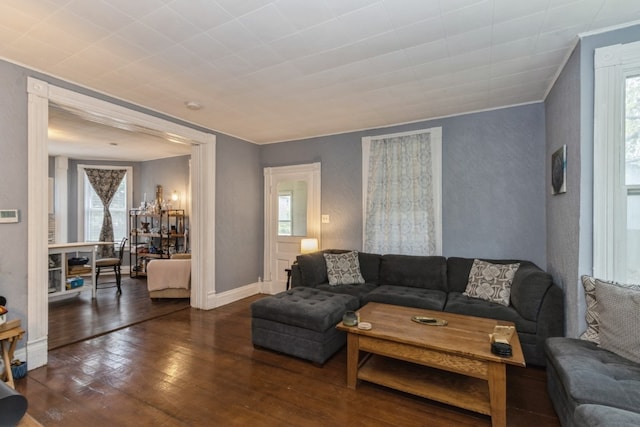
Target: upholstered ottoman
(301,322)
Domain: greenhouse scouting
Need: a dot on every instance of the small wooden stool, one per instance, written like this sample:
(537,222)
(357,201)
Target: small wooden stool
(8,340)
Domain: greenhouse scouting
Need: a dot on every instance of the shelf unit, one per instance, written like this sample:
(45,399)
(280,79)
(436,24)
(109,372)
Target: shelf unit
(154,236)
(60,271)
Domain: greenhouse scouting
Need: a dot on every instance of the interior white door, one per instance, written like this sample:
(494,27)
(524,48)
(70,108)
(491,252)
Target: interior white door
(292,212)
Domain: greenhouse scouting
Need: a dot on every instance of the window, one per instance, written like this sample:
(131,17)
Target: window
(617,163)
(285,227)
(402,193)
(91,211)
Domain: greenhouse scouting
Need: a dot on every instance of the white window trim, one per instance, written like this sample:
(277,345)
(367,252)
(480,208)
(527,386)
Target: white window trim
(436,165)
(81,174)
(612,64)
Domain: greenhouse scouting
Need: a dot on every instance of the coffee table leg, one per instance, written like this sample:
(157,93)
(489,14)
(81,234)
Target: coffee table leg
(498,394)
(352,360)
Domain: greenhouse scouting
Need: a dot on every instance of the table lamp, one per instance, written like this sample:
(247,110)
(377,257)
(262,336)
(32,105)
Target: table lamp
(308,245)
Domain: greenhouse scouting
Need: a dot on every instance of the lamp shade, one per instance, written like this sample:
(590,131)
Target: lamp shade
(308,245)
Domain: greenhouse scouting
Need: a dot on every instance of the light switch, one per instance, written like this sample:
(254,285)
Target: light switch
(325,219)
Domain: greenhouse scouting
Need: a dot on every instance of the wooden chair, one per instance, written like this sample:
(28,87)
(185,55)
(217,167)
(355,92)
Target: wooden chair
(114,263)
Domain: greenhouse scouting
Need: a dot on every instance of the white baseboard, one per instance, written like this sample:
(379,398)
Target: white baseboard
(35,354)
(271,288)
(218,300)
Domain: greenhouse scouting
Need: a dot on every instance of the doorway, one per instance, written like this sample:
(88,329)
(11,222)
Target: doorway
(292,212)
(40,94)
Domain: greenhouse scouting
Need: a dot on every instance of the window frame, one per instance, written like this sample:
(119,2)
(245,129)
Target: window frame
(289,194)
(612,65)
(436,165)
(81,176)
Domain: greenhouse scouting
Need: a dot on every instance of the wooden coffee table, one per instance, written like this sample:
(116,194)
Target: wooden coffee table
(458,367)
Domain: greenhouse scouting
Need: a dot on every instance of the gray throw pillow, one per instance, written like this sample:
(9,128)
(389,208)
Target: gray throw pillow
(491,282)
(619,309)
(343,269)
(591,315)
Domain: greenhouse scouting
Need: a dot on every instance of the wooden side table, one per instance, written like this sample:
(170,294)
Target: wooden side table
(8,341)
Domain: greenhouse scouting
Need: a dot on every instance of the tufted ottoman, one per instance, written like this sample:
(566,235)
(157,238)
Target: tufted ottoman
(301,322)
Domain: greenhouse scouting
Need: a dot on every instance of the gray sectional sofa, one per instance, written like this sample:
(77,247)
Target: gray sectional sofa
(438,283)
(590,386)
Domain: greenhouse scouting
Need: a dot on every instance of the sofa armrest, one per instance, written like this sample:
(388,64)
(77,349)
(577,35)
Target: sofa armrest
(530,285)
(296,275)
(551,316)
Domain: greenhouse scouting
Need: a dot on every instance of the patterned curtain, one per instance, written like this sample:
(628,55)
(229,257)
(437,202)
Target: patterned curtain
(399,216)
(105,183)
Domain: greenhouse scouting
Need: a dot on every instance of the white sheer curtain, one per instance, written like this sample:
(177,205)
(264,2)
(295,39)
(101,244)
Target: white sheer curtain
(402,198)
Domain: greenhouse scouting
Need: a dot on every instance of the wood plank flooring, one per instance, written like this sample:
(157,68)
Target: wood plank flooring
(80,317)
(199,368)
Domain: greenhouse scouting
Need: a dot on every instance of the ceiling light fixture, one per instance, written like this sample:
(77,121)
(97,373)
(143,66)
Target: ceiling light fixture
(193,105)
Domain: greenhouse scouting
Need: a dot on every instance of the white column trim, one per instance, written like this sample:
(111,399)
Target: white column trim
(37,224)
(40,94)
(61,198)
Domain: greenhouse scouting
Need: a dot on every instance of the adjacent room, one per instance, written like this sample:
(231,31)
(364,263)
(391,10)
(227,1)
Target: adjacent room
(145,225)
(287,212)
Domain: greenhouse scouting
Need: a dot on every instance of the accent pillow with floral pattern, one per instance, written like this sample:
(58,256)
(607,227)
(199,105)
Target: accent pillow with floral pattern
(491,282)
(344,269)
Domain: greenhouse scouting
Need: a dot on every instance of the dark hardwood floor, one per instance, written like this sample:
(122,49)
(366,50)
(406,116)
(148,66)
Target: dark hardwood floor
(199,368)
(80,317)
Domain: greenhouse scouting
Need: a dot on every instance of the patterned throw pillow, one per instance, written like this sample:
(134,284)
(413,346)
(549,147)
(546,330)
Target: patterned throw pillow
(343,269)
(591,315)
(491,282)
(618,307)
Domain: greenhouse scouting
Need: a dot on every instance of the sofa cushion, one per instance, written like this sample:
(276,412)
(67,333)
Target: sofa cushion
(343,269)
(461,304)
(605,416)
(592,375)
(427,272)
(529,288)
(358,291)
(369,266)
(619,310)
(491,282)
(429,299)
(313,268)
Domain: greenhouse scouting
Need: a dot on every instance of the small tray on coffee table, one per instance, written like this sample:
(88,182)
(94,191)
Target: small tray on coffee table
(431,321)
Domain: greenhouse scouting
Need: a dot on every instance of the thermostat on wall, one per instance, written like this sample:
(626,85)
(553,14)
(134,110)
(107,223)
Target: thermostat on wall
(8,215)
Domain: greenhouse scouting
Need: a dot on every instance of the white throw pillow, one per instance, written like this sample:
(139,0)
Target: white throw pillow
(491,282)
(619,309)
(343,269)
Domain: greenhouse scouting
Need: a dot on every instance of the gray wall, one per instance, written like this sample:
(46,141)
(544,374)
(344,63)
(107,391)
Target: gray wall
(13,189)
(562,109)
(171,173)
(239,213)
(493,182)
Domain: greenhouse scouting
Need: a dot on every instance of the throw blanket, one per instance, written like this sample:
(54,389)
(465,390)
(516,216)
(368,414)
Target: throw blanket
(168,273)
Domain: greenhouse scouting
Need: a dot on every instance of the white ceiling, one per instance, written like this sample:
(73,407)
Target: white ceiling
(270,71)
(79,135)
